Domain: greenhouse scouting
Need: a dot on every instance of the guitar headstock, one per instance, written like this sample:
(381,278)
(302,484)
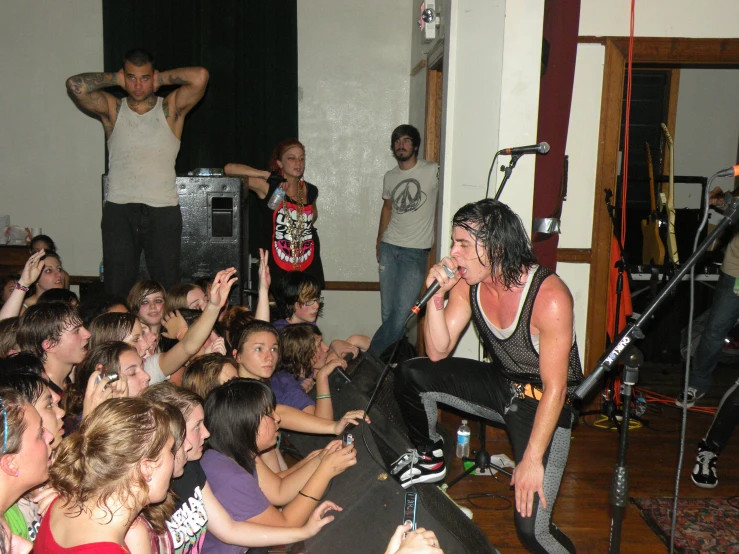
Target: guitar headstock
(668,136)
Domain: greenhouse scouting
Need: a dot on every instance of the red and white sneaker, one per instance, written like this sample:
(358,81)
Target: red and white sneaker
(419,467)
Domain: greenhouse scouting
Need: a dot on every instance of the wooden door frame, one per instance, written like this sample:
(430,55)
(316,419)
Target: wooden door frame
(646,50)
(432,153)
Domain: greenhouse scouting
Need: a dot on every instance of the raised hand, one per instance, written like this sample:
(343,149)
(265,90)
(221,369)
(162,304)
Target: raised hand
(218,346)
(32,269)
(98,391)
(265,280)
(221,287)
(174,323)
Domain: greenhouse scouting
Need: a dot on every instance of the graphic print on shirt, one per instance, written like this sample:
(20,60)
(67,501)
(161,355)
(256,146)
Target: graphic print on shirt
(187,525)
(282,237)
(407,196)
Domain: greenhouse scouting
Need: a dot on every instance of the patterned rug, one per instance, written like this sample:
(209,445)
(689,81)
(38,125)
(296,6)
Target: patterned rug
(703,524)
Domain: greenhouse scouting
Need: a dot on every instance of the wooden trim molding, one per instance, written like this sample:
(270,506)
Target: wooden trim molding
(574,255)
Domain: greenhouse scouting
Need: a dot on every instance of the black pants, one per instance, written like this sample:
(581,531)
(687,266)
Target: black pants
(129,228)
(466,384)
(725,420)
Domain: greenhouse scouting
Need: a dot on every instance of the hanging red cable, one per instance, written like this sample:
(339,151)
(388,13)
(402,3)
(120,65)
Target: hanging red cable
(625,158)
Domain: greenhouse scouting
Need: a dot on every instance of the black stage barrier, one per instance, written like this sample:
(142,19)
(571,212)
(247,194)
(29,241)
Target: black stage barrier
(372,500)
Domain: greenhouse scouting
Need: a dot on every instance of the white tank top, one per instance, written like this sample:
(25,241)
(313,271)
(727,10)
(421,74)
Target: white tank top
(141,153)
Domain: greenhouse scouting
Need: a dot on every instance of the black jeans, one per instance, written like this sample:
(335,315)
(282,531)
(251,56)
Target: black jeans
(725,420)
(129,228)
(464,384)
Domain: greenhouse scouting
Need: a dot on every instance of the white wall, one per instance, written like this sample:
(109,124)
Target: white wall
(707,128)
(353,73)
(660,18)
(51,155)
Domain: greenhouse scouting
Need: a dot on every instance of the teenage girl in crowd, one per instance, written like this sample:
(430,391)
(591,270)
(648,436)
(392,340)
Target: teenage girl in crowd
(197,510)
(25,455)
(120,461)
(288,232)
(298,299)
(241,417)
(146,301)
(52,277)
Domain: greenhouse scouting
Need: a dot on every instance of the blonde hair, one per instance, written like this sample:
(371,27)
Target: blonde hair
(103,458)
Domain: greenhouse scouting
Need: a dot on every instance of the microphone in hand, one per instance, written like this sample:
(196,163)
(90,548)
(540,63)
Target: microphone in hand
(432,290)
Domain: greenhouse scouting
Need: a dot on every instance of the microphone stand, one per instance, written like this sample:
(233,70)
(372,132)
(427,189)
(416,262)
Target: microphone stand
(508,171)
(619,348)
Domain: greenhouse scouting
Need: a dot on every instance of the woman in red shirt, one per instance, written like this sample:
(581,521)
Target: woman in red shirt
(120,461)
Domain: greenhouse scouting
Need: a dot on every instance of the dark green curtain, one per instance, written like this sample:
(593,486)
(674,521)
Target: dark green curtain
(250,49)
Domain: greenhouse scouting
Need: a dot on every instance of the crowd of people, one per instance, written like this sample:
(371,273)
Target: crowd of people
(150,424)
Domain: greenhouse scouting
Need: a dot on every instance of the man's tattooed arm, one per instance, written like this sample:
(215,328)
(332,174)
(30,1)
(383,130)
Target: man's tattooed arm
(87,91)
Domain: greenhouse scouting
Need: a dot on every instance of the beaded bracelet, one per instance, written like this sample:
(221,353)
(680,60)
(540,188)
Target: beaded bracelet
(19,286)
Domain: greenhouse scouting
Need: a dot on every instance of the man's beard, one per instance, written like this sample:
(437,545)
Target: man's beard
(404,157)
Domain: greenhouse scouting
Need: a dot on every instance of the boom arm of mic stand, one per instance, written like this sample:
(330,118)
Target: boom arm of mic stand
(608,360)
(508,170)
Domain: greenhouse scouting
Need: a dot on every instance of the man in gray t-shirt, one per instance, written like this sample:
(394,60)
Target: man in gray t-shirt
(406,233)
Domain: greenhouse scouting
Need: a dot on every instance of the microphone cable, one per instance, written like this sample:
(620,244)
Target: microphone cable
(490,174)
(688,359)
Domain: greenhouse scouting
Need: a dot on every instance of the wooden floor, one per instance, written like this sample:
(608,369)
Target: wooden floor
(583,510)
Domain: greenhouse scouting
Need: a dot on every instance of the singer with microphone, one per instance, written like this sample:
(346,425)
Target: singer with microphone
(524,315)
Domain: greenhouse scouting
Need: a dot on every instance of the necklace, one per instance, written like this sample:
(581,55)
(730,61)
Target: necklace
(295,228)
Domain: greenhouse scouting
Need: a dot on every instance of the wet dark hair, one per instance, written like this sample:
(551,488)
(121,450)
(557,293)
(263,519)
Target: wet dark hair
(43,322)
(61,296)
(30,386)
(138,57)
(22,362)
(406,131)
(501,234)
(233,412)
(294,287)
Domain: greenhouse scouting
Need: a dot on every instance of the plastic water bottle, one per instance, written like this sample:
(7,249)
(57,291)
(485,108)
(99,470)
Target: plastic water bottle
(463,440)
(276,199)
(102,274)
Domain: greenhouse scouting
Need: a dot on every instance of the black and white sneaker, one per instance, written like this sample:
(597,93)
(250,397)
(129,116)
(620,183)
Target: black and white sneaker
(419,467)
(704,472)
(690,399)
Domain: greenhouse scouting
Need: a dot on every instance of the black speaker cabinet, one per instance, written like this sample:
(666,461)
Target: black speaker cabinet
(372,500)
(213,235)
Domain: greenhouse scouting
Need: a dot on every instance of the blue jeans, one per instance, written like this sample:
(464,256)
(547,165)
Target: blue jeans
(723,316)
(402,273)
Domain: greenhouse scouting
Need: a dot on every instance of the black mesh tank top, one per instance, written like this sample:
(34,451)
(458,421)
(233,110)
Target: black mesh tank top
(516,355)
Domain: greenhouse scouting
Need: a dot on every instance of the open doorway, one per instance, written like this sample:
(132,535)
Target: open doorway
(649,53)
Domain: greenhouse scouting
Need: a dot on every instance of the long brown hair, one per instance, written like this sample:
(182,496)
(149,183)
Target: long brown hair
(107,355)
(103,458)
(110,326)
(202,375)
(177,296)
(297,348)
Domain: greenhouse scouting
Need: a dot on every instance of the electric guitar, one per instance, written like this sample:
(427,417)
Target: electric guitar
(653,249)
(671,242)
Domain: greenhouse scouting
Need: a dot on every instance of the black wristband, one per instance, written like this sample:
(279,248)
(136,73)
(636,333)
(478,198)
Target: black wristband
(301,493)
(275,179)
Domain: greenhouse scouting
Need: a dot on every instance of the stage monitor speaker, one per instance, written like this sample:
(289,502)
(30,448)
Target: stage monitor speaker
(212,234)
(373,500)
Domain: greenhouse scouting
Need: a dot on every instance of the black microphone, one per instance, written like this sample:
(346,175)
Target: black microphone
(435,286)
(541,148)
